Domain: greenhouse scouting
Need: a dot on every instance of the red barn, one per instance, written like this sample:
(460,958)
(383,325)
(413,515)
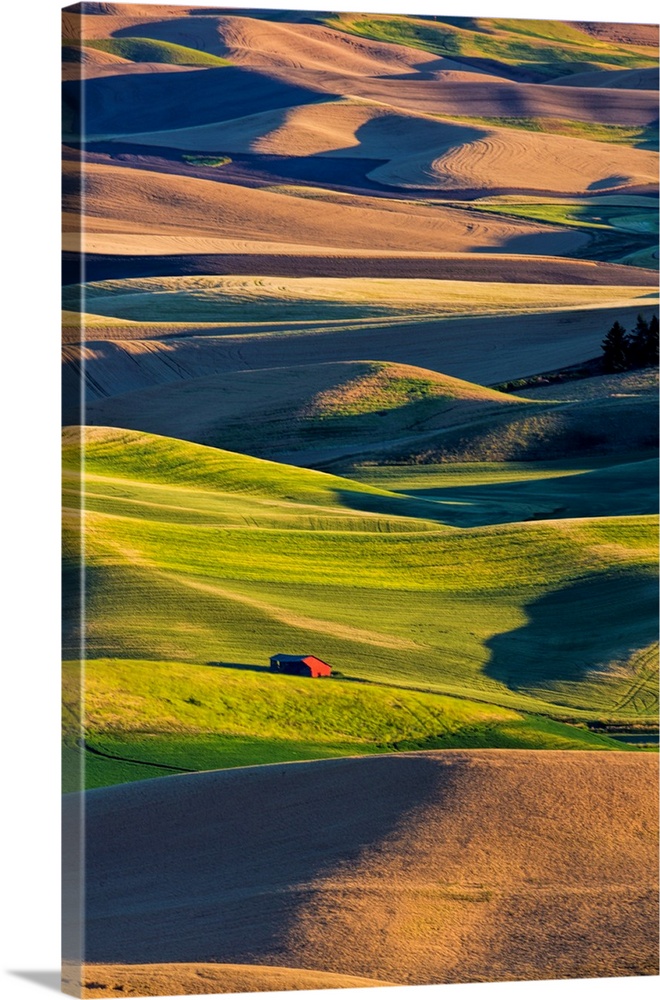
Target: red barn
(303,666)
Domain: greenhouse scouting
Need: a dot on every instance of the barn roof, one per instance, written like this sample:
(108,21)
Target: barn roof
(298,658)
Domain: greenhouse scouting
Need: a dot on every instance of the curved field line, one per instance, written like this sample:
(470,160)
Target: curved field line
(84,745)
(347,632)
(645,677)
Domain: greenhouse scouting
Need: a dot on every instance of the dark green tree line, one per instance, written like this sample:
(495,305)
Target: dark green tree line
(637,349)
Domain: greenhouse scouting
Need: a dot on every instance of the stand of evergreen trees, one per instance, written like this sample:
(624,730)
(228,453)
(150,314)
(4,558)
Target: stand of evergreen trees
(637,349)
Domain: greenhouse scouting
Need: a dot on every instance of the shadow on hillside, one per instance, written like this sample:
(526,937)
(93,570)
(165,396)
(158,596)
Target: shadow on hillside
(258,668)
(161,101)
(403,506)
(576,630)
(218,866)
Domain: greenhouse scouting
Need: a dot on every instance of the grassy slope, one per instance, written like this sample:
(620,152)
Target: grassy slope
(267,492)
(501,44)
(152,50)
(467,612)
(330,414)
(565,490)
(620,232)
(254,299)
(637,136)
(317,410)
(555,431)
(193,717)
(416,478)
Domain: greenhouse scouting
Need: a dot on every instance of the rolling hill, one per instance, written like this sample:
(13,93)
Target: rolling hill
(183,717)
(377,878)
(126,199)
(190,557)
(567,430)
(308,413)
(240,301)
(497,492)
(196,326)
(533,50)
(335,293)
(151,51)
(174,978)
(418,151)
(339,415)
(386,45)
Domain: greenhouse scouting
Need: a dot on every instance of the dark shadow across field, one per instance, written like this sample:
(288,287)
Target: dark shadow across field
(618,490)
(198,892)
(541,270)
(577,630)
(158,102)
(258,668)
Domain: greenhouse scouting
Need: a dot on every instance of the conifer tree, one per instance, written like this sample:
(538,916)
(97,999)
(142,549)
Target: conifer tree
(616,349)
(652,342)
(638,343)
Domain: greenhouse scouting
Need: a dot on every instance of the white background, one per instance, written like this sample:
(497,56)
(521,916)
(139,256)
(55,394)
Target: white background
(29,461)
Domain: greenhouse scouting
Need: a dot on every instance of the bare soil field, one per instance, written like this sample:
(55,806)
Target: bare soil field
(104,19)
(556,878)
(268,45)
(124,199)
(627,34)
(423,152)
(471,94)
(119,104)
(107,67)
(120,358)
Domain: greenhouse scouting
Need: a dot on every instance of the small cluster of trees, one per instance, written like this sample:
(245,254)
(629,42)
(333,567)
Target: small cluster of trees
(637,349)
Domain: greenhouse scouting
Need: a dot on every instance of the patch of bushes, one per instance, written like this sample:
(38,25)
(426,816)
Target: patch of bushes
(206,161)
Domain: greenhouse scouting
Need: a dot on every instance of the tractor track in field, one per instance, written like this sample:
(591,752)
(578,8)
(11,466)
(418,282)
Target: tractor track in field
(645,678)
(84,745)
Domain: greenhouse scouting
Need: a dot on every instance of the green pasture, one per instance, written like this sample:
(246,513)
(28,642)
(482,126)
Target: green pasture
(583,215)
(619,232)
(270,493)
(637,136)
(543,616)
(154,51)
(206,161)
(414,478)
(554,31)
(148,718)
(557,490)
(541,53)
